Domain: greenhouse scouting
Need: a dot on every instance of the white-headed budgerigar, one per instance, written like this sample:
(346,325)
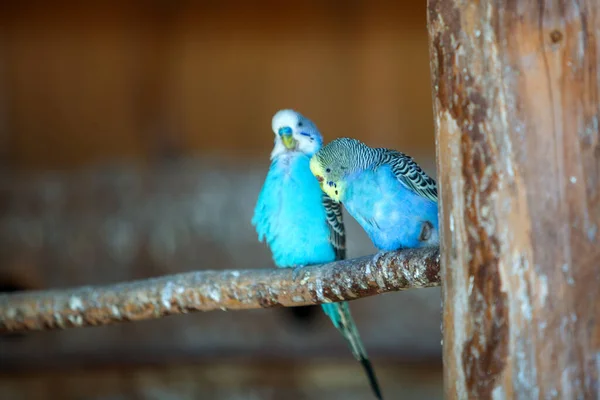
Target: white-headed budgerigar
(299,222)
(389,195)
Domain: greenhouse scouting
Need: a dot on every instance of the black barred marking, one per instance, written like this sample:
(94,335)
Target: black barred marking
(346,155)
(409,173)
(335,222)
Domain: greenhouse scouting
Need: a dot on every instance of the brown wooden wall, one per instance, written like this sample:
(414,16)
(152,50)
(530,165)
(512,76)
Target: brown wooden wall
(86,84)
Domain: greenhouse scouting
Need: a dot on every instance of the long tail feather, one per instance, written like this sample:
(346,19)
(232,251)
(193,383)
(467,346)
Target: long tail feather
(339,313)
(366,363)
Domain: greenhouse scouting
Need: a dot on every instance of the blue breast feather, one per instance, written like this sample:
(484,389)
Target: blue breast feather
(390,213)
(289,214)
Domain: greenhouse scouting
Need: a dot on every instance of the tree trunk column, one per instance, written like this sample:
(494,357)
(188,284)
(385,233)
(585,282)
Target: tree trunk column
(516,108)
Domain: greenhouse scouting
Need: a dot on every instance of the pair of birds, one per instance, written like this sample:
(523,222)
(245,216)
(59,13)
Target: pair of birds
(299,212)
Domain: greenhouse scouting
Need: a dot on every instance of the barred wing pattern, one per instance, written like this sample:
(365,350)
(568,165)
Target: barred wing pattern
(410,174)
(335,222)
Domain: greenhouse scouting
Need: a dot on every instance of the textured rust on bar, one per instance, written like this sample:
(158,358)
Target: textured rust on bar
(432,271)
(219,290)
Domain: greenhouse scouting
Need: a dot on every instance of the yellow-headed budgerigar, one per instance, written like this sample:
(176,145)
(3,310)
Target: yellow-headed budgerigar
(299,222)
(389,195)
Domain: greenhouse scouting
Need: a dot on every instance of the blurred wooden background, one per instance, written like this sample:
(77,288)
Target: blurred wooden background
(133,141)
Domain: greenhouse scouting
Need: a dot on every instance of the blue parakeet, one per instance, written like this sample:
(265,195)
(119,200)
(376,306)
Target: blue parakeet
(299,222)
(389,195)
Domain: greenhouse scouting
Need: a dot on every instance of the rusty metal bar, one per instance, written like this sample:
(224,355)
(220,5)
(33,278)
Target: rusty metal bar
(214,290)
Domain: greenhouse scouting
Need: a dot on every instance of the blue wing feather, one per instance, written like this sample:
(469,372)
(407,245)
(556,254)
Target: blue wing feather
(392,214)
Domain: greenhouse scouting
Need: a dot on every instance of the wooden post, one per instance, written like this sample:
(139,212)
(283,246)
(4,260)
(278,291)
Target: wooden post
(516,104)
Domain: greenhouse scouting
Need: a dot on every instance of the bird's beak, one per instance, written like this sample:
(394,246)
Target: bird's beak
(286,137)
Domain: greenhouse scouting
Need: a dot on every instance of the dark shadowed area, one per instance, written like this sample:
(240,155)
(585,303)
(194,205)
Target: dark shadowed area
(134,139)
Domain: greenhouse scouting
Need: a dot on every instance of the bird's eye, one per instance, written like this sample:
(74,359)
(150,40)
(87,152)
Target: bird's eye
(328,170)
(300,124)
(336,192)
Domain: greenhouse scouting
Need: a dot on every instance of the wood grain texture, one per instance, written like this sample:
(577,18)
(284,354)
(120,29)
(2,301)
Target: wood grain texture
(515,92)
